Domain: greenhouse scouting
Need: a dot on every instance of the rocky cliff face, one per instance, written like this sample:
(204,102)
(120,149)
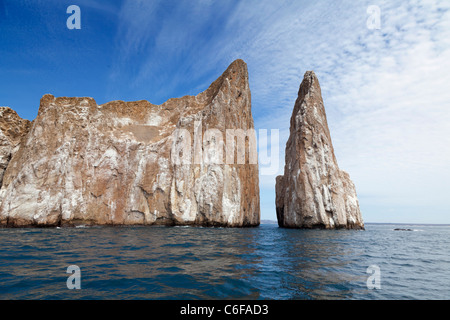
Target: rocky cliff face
(314,192)
(135,163)
(12,130)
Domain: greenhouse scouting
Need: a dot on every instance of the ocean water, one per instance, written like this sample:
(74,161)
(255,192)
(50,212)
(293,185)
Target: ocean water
(203,263)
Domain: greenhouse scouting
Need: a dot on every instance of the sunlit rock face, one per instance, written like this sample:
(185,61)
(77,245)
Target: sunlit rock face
(135,163)
(314,192)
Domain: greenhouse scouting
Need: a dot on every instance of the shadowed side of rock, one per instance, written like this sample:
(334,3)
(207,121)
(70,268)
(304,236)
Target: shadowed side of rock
(314,192)
(12,129)
(113,164)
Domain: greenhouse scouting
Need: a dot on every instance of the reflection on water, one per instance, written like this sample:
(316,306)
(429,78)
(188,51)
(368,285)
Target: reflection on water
(203,263)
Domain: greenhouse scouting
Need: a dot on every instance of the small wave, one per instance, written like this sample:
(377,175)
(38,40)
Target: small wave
(171,269)
(183,245)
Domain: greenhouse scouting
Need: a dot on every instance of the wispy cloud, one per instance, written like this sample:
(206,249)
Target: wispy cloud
(171,44)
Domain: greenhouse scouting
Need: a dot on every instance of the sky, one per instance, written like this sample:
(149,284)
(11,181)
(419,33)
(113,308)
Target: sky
(386,87)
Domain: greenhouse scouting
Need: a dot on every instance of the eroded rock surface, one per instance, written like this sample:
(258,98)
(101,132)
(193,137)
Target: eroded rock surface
(12,130)
(115,164)
(314,192)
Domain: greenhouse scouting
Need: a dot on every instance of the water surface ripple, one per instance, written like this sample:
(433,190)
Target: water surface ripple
(203,263)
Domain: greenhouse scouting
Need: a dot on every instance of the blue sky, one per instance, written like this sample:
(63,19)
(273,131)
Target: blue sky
(386,91)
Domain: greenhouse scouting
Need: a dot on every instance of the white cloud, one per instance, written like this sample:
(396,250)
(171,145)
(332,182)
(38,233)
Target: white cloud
(385,92)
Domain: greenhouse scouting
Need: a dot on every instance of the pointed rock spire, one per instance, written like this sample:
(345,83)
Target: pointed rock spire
(314,192)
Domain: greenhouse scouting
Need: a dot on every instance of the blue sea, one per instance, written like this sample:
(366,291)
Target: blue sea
(204,263)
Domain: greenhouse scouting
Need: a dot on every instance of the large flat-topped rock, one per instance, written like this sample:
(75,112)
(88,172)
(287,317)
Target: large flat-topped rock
(135,163)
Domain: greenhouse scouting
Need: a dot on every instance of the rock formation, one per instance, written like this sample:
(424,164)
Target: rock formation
(134,163)
(314,192)
(12,129)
